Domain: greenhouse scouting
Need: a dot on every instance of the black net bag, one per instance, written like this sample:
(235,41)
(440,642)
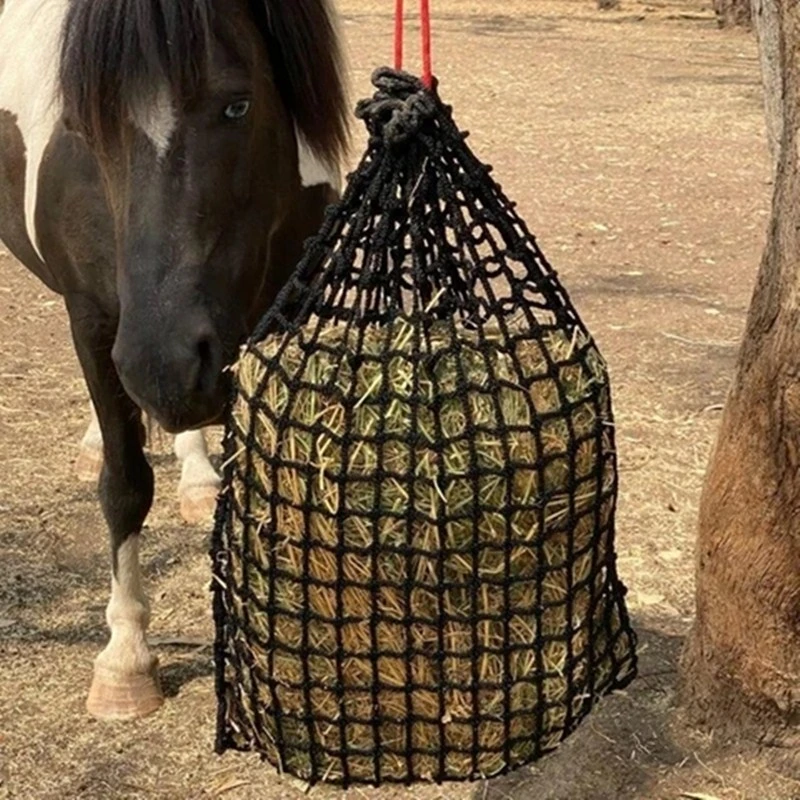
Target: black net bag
(414,551)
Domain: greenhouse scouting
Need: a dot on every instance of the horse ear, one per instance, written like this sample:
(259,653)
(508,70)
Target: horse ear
(305,52)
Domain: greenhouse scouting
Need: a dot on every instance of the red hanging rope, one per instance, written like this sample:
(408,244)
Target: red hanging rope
(398,35)
(425,23)
(425,19)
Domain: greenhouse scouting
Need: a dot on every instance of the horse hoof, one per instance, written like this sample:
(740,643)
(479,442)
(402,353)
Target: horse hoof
(124,697)
(198,504)
(89,464)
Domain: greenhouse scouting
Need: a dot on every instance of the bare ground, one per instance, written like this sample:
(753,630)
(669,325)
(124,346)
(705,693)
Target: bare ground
(633,141)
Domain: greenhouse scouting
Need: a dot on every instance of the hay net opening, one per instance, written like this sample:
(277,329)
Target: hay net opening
(414,559)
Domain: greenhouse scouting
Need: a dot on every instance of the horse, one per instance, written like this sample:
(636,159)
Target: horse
(199,484)
(161,164)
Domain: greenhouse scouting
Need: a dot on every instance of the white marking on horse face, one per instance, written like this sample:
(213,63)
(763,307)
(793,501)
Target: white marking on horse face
(155,116)
(314,171)
(30,38)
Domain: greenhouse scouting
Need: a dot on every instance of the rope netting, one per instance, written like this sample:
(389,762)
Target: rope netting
(414,553)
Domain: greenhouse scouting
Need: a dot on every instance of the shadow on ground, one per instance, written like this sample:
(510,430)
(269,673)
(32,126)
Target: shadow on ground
(197,664)
(620,749)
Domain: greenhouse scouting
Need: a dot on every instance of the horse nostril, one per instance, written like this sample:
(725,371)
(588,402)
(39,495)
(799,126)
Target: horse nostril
(206,366)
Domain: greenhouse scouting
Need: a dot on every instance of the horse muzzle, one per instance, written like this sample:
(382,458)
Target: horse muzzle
(177,378)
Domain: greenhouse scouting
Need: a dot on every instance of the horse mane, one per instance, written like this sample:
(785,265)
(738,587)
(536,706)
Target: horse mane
(308,67)
(114,52)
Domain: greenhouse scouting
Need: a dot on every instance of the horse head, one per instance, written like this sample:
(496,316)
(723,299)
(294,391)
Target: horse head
(209,119)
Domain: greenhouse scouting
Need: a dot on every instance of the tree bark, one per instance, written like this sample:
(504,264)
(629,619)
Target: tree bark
(733,13)
(741,667)
(765,18)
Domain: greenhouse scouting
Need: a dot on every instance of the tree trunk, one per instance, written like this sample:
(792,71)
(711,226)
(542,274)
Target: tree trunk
(765,18)
(733,13)
(741,667)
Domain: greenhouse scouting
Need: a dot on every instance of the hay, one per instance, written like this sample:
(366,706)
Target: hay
(384,583)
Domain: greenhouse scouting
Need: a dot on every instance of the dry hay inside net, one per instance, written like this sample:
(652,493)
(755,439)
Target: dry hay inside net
(543,568)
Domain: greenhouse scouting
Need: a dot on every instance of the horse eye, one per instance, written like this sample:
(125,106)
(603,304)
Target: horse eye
(237,110)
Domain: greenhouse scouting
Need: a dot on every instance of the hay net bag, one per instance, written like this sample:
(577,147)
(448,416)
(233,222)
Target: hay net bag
(414,552)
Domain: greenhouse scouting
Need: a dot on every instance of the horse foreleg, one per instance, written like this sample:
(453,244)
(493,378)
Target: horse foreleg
(199,485)
(125,683)
(90,455)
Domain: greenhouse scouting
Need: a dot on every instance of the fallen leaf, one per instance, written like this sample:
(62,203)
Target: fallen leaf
(230,786)
(696,796)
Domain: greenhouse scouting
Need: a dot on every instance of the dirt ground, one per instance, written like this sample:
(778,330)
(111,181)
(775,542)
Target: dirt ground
(633,141)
